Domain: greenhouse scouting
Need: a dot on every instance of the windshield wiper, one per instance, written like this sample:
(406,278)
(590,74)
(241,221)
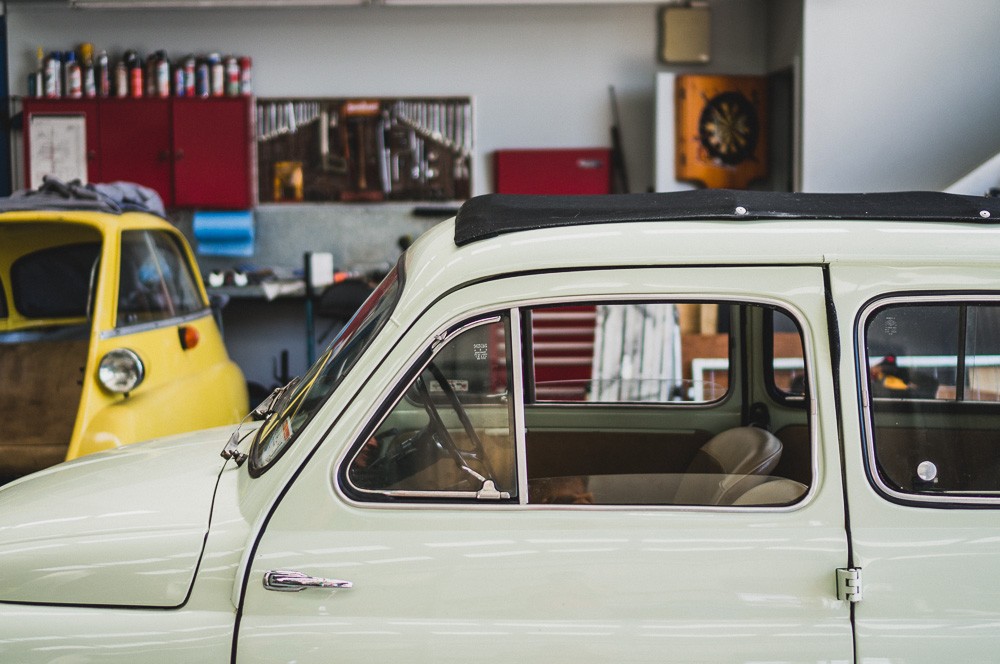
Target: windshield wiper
(274,403)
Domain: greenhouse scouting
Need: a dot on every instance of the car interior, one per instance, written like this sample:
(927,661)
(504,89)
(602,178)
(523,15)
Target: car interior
(679,420)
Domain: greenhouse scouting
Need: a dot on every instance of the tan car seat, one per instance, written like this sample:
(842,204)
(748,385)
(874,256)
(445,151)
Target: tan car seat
(728,465)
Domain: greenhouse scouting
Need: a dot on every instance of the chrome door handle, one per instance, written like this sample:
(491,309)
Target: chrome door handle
(290,581)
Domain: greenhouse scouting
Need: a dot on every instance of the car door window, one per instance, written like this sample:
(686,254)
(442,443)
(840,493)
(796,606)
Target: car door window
(629,411)
(155,280)
(449,433)
(933,386)
(627,407)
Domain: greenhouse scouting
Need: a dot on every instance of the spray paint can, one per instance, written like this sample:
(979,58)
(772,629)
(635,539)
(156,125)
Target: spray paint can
(74,77)
(201,82)
(53,76)
(178,79)
(89,81)
(103,75)
(246,76)
(36,80)
(135,74)
(161,70)
(232,76)
(217,75)
(121,79)
(190,65)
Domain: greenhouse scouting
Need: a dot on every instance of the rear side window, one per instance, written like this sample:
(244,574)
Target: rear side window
(155,280)
(933,385)
(55,282)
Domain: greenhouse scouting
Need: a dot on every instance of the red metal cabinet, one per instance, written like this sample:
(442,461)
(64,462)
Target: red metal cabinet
(213,152)
(135,144)
(553,171)
(193,152)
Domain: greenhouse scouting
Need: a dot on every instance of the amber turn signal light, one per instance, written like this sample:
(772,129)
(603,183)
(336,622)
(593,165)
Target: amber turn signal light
(189,336)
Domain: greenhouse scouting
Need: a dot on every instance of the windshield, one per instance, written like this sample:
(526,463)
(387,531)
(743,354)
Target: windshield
(303,398)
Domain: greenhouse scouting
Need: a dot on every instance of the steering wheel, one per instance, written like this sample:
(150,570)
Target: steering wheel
(441,430)
(404,454)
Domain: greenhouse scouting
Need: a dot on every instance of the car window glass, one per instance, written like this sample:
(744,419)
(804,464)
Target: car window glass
(449,432)
(787,364)
(933,384)
(55,282)
(155,280)
(639,352)
(649,422)
(450,428)
(308,395)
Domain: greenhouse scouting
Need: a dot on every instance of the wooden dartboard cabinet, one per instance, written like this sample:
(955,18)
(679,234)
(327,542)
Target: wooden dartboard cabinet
(721,130)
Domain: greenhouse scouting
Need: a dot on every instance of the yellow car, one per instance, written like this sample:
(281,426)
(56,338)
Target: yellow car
(106,333)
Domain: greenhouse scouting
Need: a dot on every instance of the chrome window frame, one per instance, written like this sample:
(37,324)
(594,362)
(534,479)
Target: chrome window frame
(862,363)
(424,500)
(437,342)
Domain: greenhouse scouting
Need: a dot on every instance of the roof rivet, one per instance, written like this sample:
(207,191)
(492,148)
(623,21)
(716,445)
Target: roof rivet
(741,210)
(985,214)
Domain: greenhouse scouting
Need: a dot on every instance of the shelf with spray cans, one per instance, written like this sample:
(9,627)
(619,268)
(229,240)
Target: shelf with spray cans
(85,73)
(182,126)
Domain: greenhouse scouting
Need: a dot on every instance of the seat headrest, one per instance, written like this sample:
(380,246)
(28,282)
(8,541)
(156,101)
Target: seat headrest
(744,451)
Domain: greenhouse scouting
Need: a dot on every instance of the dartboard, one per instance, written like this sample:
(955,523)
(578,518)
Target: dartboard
(729,128)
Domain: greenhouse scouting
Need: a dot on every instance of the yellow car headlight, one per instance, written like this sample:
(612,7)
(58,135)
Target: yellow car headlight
(121,371)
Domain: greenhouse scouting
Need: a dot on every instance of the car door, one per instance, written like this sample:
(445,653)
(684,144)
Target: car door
(441,544)
(923,463)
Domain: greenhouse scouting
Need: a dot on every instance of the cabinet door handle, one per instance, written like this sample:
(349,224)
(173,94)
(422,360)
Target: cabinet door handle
(163,155)
(290,581)
(179,154)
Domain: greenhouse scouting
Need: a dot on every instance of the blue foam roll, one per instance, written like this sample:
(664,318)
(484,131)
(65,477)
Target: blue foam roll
(229,233)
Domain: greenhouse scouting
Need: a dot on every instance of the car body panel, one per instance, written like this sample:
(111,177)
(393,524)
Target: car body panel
(209,392)
(201,630)
(927,570)
(127,543)
(552,582)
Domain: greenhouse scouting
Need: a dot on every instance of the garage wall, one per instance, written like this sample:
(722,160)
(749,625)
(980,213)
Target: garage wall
(898,94)
(539,74)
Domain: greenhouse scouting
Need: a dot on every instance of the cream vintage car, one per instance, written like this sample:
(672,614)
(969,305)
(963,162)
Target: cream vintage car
(707,426)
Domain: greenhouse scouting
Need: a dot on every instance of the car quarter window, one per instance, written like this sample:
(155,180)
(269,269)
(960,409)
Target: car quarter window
(620,405)
(156,281)
(933,387)
(449,433)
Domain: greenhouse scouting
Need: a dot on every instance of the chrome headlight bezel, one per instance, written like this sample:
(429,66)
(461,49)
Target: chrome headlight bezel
(120,371)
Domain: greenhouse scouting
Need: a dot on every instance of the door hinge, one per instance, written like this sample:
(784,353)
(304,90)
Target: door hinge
(849,584)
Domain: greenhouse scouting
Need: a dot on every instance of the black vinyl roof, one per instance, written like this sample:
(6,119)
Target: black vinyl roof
(492,215)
